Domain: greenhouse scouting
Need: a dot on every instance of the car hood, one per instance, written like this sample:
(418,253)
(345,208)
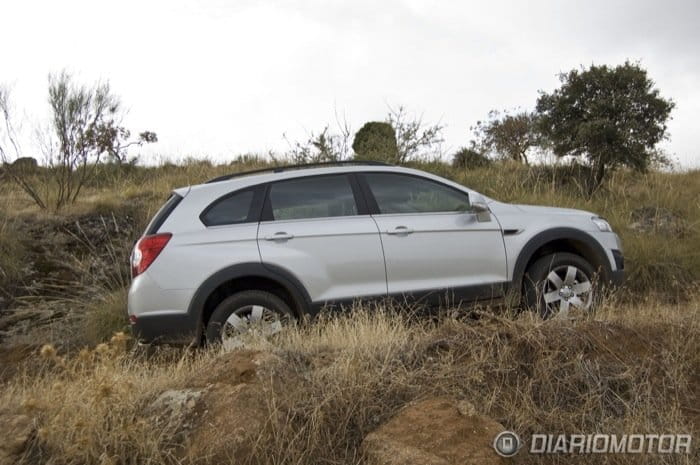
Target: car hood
(540,210)
(534,210)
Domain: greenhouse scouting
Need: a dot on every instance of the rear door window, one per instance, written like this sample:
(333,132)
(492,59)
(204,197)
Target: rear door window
(312,197)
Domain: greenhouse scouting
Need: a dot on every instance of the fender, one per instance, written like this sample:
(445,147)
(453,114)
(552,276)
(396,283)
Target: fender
(248,270)
(599,256)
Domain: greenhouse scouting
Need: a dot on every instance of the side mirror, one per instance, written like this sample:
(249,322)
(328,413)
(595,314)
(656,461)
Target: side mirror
(479,206)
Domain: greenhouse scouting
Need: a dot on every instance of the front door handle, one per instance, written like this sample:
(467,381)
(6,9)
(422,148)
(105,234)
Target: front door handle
(400,230)
(279,236)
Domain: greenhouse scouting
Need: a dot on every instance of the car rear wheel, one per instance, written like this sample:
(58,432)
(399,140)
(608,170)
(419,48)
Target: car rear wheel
(561,285)
(241,314)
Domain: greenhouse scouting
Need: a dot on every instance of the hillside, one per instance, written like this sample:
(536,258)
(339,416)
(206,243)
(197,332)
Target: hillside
(367,387)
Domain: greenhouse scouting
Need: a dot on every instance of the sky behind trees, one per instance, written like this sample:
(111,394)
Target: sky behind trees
(218,78)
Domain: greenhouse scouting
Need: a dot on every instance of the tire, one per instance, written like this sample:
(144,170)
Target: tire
(561,285)
(243,311)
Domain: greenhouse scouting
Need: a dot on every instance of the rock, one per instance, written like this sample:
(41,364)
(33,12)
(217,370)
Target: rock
(240,411)
(437,431)
(174,407)
(234,402)
(174,412)
(657,219)
(16,430)
(223,417)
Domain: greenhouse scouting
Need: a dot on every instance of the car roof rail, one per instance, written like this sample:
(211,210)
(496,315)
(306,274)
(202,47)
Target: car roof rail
(280,169)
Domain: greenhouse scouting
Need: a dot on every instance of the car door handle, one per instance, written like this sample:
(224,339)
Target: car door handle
(400,230)
(279,236)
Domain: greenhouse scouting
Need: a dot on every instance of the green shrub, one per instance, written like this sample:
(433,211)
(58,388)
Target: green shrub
(467,158)
(376,141)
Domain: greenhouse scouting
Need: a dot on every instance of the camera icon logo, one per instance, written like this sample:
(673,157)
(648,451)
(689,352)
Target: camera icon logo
(506,444)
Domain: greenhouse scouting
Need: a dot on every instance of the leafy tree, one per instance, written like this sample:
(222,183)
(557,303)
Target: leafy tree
(612,116)
(511,136)
(376,140)
(470,157)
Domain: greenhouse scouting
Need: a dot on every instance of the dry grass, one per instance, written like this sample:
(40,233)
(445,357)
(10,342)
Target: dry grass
(632,369)
(12,254)
(665,261)
(104,316)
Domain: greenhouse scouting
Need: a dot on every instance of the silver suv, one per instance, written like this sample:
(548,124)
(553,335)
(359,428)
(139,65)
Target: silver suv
(266,247)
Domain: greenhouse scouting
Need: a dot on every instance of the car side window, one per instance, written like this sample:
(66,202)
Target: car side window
(397,193)
(230,209)
(312,197)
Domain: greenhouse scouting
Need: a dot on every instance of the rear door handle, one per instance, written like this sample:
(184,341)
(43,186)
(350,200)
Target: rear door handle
(279,236)
(400,230)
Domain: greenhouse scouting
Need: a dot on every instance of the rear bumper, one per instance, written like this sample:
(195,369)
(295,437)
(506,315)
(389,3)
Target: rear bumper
(165,328)
(160,315)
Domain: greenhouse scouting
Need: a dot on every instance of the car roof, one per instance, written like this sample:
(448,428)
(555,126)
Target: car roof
(241,180)
(282,168)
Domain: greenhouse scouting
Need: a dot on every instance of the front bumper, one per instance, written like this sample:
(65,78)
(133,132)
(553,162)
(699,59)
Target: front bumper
(617,276)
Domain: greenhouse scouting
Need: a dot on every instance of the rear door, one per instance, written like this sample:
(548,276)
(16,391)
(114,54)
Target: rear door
(434,246)
(318,229)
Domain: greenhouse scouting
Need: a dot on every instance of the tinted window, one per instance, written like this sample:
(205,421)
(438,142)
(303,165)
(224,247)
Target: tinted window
(231,209)
(313,197)
(397,193)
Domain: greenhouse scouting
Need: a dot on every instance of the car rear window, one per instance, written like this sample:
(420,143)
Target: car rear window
(163,213)
(231,209)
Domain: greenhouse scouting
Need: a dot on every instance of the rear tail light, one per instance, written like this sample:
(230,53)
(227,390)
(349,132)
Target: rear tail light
(146,250)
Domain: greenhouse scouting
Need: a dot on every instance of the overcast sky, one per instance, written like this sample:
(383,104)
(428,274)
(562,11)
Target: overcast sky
(218,78)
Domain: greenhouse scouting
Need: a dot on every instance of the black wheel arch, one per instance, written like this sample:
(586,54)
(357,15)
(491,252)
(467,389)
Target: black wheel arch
(293,291)
(561,240)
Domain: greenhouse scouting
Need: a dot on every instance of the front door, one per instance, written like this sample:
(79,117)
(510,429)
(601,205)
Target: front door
(434,246)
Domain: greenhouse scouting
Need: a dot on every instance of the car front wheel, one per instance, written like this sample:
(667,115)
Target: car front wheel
(561,285)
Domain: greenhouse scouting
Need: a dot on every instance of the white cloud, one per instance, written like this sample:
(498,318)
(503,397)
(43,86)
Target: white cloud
(222,77)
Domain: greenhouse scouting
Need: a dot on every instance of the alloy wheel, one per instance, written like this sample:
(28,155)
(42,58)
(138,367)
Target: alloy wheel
(565,289)
(251,319)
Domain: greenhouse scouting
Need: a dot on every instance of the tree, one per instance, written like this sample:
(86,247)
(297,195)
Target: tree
(414,138)
(326,146)
(10,149)
(322,147)
(376,140)
(512,136)
(612,116)
(85,127)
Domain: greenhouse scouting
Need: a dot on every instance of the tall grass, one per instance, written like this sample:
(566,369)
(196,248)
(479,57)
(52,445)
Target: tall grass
(323,387)
(12,254)
(660,261)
